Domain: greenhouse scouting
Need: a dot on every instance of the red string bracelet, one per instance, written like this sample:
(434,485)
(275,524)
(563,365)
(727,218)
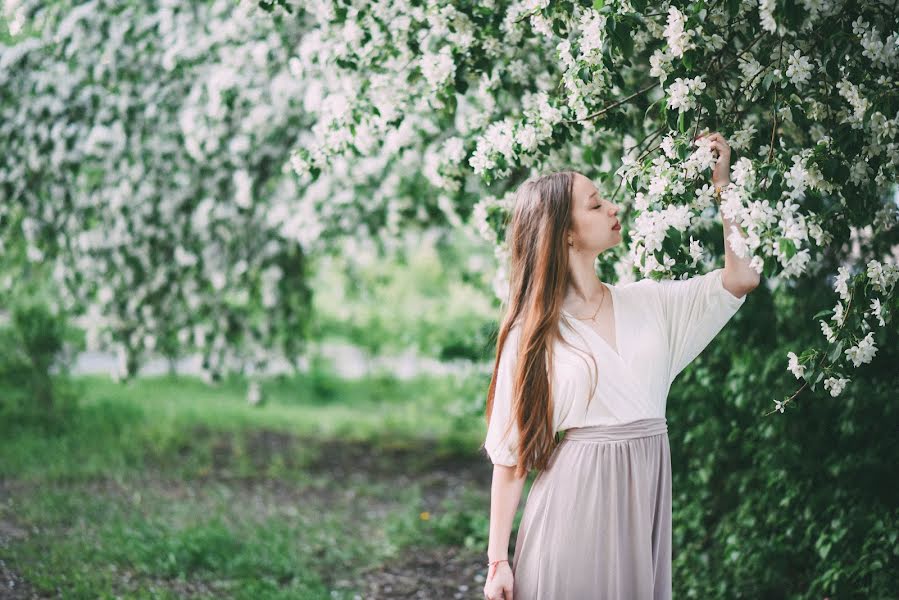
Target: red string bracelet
(494,562)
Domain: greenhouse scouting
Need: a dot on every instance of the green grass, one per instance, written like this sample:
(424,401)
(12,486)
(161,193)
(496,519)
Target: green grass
(165,487)
(120,426)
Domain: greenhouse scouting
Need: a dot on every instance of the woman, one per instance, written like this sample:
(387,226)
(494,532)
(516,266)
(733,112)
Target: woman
(596,361)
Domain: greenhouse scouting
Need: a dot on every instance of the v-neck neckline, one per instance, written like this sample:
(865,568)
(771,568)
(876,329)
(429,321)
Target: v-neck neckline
(617,349)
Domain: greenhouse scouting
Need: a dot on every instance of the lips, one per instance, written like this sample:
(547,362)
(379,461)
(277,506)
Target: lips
(617,226)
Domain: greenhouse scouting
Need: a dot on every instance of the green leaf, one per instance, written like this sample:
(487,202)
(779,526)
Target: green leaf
(623,38)
(793,12)
(675,235)
(588,155)
(770,267)
(823,313)
(787,247)
(671,119)
(672,241)
(837,351)
(597,4)
(832,66)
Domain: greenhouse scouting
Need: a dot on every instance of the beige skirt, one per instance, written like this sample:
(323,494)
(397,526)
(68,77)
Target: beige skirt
(597,521)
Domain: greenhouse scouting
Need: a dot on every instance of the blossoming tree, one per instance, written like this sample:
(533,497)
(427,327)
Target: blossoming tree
(143,154)
(146,161)
(485,93)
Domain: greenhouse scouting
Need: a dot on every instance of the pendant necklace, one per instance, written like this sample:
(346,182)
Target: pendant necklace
(593,318)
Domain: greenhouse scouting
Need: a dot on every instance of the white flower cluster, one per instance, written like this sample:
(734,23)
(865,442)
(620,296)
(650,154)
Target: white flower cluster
(443,164)
(859,103)
(513,142)
(863,352)
(835,385)
(682,93)
(649,231)
(591,42)
(677,38)
(881,53)
(758,229)
(659,63)
(793,365)
(799,69)
(882,277)
(766,16)
(438,67)
(592,38)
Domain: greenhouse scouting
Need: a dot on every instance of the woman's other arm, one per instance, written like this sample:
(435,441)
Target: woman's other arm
(505,494)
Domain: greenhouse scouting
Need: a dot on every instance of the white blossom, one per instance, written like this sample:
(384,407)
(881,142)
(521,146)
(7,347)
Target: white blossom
(835,385)
(876,311)
(839,285)
(799,70)
(862,352)
(793,365)
(675,35)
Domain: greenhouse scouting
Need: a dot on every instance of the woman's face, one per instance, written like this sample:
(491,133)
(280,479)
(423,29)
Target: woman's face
(594,219)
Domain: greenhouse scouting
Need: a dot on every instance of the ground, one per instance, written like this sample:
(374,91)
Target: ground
(426,570)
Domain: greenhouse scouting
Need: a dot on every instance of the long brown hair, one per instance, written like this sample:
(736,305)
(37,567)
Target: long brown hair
(538,278)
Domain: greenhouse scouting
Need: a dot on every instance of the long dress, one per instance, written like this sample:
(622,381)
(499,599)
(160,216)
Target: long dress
(597,522)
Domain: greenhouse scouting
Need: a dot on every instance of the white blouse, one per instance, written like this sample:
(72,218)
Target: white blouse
(660,326)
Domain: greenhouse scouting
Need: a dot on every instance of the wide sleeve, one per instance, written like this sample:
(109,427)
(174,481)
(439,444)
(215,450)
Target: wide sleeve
(502,432)
(694,310)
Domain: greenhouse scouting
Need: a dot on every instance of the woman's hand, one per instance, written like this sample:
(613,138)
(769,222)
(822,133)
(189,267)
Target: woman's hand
(499,586)
(721,171)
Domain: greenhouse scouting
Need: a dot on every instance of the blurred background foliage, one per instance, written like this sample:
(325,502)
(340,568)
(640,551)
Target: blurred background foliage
(173,486)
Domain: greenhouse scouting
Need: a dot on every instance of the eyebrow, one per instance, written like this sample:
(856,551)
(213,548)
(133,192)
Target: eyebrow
(595,193)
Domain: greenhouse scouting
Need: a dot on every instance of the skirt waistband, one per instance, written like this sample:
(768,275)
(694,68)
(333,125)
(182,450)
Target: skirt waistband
(619,431)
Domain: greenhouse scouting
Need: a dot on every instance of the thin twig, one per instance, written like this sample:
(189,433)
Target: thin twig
(823,355)
(774,127)
(527,15)
(613,105)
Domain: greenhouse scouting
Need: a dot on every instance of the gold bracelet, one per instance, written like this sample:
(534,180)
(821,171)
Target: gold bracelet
(718,189)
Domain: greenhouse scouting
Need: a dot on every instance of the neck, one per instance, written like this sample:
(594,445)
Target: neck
(583,283)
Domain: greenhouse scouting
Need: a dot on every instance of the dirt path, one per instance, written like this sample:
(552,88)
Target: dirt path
(429,573)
